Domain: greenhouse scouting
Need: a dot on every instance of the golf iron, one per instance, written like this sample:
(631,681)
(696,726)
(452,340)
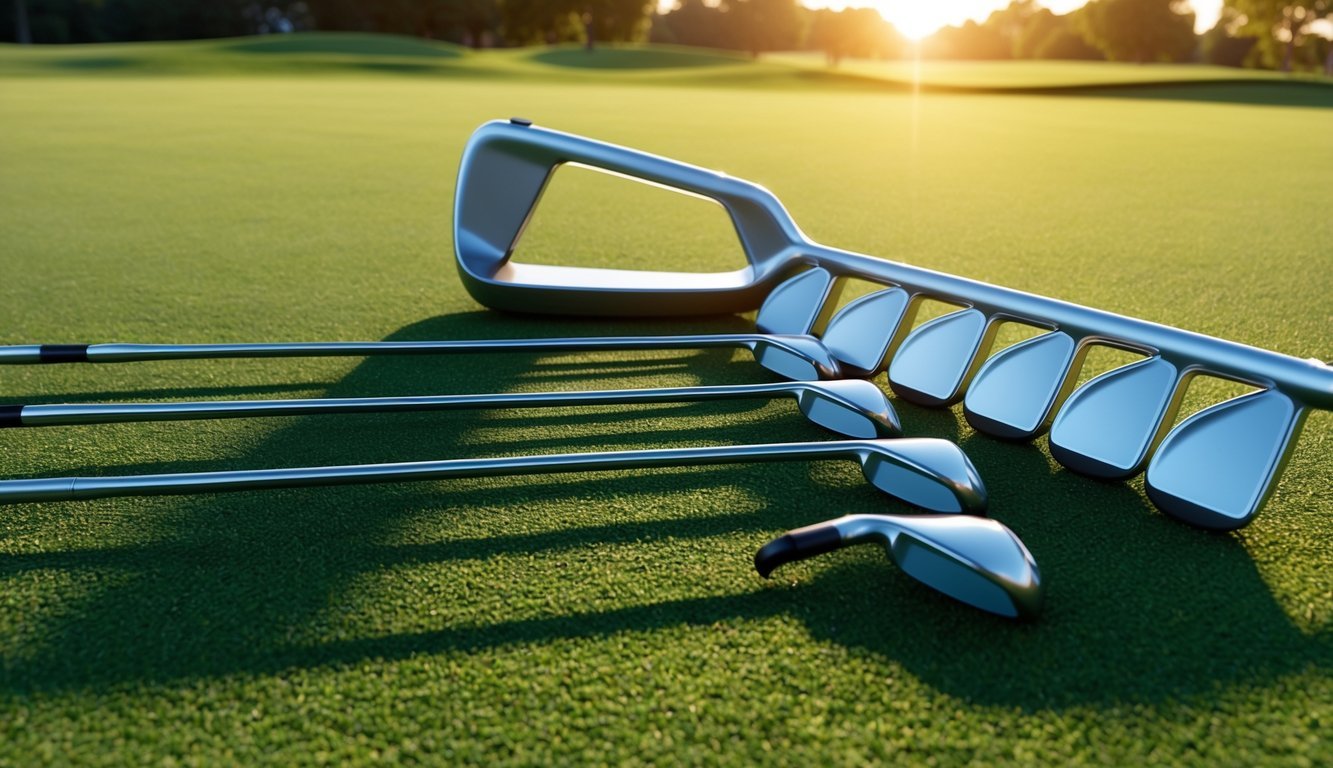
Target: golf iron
(975,560)
(929,473)
(1215,469)
(783,342)
(850,407)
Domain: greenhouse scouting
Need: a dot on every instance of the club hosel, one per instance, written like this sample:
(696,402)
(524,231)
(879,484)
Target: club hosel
(859,529)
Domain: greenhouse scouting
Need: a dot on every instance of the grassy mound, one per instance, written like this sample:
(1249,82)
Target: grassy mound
(636,57)
(343,44)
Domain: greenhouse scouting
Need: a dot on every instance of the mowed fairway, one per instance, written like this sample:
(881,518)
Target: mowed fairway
(616,616)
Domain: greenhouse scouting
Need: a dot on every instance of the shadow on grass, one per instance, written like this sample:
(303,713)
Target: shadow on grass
(166,393)
(1140,608)
(1318,95)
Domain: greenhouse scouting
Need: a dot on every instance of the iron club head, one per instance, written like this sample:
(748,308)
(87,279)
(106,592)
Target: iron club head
(925,472)
(971,559)
(852,407)
(799,358)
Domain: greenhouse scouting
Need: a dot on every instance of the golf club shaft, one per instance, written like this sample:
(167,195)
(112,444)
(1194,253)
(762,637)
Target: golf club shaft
(71,488)
(123,353)
(107,413)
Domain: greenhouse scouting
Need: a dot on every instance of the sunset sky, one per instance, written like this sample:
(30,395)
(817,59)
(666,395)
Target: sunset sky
(918,18)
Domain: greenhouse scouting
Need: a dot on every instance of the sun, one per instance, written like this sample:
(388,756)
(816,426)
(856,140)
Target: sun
(917,19)
(913,20)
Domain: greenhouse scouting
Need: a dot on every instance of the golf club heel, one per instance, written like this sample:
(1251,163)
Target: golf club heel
(798,544)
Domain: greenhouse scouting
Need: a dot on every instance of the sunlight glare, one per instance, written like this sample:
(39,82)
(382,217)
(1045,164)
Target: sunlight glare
(912,20)
(917,19)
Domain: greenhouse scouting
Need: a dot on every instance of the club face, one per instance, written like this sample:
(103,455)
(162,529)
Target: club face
(1014,391)
(797,305)
(973,560)
(929,473)
(852,407)
(860,335)
(933,363)
(1107,427)
(1216,468)
(796,358)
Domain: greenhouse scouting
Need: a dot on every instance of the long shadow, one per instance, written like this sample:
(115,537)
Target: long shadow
(1140,608)
(1295,93)
(168,393)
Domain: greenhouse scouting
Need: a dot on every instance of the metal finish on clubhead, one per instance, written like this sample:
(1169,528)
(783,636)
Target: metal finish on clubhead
(861,335)
(920,463)
(1015,391)
(1142,395)
(505,167)
(936,360)
(850,407)
(798,306)
(974,560)
(1218,467)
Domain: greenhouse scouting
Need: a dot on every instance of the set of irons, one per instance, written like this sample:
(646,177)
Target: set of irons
(1215,469)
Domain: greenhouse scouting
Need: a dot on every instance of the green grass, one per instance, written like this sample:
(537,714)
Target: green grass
(616,617)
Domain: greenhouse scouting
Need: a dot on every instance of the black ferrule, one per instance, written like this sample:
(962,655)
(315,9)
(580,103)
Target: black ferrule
(11,416)
(64,353)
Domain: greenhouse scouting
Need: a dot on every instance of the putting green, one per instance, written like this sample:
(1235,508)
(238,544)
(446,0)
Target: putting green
(616,617)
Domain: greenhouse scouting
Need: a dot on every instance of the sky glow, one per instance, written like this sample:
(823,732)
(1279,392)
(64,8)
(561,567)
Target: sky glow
(919,18)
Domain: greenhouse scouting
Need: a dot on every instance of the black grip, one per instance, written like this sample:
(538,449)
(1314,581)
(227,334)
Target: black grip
(63,353)
(796,545)
(11,416)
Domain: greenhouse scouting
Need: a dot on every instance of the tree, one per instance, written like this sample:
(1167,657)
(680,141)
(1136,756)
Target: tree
(1140,30)
(550,21)
(1067,44)
(22,32)
(614,20)
(1221,47)
(765,25)
(692,22)
(1013,22)
(970,41)
(858,33)
(1047,36)
(1283,27)
(753,26)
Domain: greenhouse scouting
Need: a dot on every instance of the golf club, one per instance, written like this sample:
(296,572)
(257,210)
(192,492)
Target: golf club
(851,407)
(1109,427)
(975,560)
(853,344)
(929,473)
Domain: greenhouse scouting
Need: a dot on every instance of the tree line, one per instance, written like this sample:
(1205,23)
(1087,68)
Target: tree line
(1261,33)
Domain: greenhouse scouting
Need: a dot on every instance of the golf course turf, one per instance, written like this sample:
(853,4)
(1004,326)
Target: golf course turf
(223,191)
